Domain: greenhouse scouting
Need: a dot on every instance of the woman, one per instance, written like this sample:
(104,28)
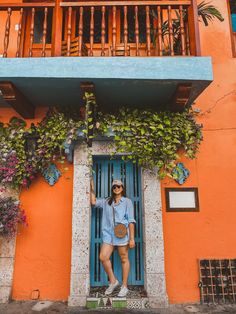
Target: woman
(116,209)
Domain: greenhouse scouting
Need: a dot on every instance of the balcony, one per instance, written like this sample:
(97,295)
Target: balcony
(141,53)
(101,28)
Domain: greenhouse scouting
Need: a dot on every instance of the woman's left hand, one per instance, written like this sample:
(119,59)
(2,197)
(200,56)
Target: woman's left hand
(131,244)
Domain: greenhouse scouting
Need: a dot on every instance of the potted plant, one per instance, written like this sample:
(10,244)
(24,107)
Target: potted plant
(206,13)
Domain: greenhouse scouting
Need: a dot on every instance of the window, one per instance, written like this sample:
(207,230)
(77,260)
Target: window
(97,25)
(233,14)
(38,26)
(39,21)
(217,281)
(232,5)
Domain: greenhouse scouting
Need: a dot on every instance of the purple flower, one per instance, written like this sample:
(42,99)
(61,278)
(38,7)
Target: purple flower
(10,216)
(24,182)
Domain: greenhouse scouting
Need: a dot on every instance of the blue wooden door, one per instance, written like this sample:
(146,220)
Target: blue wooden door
(105,170)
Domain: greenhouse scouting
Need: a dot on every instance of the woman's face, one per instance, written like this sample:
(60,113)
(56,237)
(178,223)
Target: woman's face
(117,189)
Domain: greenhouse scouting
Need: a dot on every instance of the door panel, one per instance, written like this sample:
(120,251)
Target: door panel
(106,170)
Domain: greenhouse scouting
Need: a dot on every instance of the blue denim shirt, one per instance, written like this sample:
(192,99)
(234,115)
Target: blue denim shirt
(124,213)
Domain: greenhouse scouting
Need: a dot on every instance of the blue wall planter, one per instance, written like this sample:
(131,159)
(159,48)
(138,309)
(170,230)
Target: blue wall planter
(180,173)
(51,174)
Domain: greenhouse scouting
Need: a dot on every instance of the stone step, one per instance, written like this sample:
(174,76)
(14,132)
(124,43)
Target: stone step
(112,302)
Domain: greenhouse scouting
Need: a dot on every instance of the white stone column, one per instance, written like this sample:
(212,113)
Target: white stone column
(80,272)
(154,272)
(7,258)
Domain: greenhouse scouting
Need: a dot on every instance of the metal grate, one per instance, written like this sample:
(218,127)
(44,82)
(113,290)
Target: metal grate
(217,280)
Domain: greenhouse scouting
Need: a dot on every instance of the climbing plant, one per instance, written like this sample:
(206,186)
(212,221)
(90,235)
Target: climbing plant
(19,164)
(53,131)
(10,216)
(152,139)
(16,169)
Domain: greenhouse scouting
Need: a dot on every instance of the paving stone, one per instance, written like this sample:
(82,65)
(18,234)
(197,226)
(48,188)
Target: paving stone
(25,307)
(135,292)
(191,309)
(39,306)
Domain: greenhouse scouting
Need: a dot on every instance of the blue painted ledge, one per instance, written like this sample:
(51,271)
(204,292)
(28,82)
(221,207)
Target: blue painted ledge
(118,80)
(154,68)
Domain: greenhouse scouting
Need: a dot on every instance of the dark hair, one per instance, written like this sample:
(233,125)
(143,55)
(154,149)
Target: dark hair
(112,197)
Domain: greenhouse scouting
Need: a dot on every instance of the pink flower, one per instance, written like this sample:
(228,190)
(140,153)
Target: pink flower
(24,182)
(10,216)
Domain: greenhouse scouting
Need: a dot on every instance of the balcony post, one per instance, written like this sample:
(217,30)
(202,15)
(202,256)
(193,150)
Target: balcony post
(194,34)
(57,29)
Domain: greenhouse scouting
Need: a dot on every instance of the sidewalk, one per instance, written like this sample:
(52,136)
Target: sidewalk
(60,307)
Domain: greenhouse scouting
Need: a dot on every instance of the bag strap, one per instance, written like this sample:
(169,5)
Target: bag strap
(113,210)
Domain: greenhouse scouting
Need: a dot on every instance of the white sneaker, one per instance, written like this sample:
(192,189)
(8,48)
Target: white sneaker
(111,287)
(123,292)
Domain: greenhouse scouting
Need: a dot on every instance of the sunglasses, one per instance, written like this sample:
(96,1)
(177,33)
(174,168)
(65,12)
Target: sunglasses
(116,186)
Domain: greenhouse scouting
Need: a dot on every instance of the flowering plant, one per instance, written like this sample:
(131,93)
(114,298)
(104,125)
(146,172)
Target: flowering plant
(10,216)
(19,161)
(16,167)
(8,165)
(153,139)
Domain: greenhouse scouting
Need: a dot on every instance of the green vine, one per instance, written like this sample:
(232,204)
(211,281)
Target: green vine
(150,138)
(14,165)
(153,139)
(90,102)
(53,131)
(19,165)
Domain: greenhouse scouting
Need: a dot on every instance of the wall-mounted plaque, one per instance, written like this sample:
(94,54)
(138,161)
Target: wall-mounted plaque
(182,200)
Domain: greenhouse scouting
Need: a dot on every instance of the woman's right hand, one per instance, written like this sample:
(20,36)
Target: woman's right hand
(92,193)
(131,243)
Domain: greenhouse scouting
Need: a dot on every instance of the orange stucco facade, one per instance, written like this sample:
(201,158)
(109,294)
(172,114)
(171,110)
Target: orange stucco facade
(43,249)
(210,232)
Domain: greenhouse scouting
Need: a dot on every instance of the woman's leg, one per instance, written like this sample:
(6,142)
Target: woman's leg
(105,254)
(123,252)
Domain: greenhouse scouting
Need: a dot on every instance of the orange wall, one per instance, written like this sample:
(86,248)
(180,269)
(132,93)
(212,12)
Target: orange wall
(43,249)
(211,232)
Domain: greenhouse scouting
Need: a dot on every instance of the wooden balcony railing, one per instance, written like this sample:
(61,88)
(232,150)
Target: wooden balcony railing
(24,31)
(99,28)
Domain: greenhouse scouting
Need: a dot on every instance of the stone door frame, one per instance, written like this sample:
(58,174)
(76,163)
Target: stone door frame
(153,245)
